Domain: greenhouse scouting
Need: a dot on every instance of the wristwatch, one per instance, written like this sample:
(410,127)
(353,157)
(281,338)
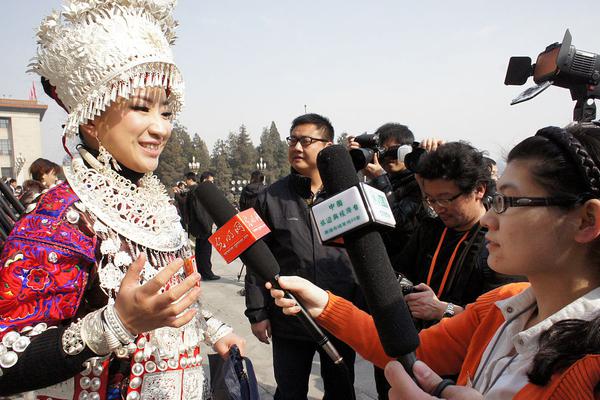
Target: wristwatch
(449,311)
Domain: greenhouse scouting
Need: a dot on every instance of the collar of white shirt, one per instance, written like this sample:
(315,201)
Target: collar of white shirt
(585,308)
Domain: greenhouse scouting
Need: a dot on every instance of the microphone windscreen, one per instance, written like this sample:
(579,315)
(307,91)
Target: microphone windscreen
(215,203)
(258,258)
(335,159)
(371,264)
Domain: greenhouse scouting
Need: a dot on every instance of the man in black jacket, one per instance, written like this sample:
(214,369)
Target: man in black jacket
(250,192)
(200,226)
(284,206)
(446,256)
(391,176)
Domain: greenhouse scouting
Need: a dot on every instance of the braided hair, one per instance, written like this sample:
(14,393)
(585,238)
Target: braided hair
(568,161)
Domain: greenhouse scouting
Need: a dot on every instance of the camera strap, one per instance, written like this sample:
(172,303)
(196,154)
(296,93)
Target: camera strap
(449,265)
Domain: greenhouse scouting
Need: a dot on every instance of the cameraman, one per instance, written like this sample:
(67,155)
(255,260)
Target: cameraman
(404,195)
(398,182)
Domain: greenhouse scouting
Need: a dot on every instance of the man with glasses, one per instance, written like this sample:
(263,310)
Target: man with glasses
(284,206)
(446,256)
(391,176)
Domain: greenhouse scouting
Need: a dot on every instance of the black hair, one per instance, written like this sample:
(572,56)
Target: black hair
(458,162)
(556,166)
(190,176)
(205,175)
(319,121)
(42,166)
(398,132)
(257,177)
(490,161)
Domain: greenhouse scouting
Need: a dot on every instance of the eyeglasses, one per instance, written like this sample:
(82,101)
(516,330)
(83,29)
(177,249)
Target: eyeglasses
(305,141)
(441,202)
(499,202)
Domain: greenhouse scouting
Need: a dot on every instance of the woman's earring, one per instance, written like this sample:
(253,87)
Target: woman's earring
(106,158)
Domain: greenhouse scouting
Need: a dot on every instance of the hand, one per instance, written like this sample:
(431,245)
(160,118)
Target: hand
(431,144)
(143,308)
(312,297)
(424,304)
(374,169)
(223,345)
(403,387)
(262,330)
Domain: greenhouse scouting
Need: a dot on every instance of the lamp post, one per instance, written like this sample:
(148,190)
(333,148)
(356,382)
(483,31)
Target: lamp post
(194,166)
(236,188)
(19,162)
(261,165)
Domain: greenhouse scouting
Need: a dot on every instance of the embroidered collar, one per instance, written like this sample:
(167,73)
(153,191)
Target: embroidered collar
(142,214)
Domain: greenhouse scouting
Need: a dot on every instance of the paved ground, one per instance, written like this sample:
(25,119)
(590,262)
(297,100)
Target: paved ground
(222,298)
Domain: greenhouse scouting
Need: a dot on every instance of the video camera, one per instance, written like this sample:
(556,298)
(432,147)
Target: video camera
(369,146)
(562,65)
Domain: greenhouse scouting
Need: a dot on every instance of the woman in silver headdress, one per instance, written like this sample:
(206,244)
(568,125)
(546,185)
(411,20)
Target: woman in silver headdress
(95,301)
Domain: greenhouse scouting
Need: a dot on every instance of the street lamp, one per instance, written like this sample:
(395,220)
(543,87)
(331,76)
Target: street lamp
(194,166)
(237,187)
(261,165)
(19,162)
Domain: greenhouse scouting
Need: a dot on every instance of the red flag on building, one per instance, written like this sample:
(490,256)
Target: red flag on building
(32,92)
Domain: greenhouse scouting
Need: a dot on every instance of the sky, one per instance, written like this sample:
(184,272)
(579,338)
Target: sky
(436,66)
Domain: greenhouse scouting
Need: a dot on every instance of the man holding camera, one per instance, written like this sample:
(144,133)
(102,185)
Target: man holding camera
(392,176)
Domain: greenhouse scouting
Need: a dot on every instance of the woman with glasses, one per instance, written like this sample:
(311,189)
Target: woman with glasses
(526,340)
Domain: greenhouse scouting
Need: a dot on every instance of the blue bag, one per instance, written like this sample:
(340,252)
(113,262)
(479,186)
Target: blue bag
(233,378)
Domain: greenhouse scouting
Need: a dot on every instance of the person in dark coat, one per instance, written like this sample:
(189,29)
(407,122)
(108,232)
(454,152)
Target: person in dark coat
(251,190)
(200,226)
(294,241)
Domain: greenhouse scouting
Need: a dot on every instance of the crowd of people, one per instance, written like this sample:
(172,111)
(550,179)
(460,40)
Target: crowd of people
(99,298)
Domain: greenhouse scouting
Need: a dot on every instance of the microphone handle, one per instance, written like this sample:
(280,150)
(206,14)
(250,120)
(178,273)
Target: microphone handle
(407,361)
(311,326)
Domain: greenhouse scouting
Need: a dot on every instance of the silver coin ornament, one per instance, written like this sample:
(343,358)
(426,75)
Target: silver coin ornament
(53,257)
(135,382)
(8,359)
(133,396)
(72,217)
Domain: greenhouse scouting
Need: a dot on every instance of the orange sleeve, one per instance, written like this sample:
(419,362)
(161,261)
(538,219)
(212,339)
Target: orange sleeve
(458,342)
(354,327)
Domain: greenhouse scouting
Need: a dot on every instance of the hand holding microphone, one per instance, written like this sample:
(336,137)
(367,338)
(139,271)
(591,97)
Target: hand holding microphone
(258,258)
(313,298)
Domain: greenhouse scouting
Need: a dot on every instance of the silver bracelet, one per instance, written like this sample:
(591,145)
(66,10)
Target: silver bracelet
(116,327)
(216,330)
(72,342)
(93,333)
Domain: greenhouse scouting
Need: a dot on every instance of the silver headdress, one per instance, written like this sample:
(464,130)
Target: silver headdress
(94,51)
(91,53)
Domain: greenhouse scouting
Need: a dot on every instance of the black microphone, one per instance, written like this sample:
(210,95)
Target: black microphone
(372,266)
(260,260)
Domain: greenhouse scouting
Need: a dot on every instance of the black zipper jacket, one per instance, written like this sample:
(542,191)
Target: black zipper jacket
(296,246)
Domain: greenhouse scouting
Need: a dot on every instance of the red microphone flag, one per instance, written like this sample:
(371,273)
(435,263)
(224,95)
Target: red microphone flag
(239,233)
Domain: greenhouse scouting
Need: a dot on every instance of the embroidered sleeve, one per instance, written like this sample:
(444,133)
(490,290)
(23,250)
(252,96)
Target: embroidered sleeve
(43,274)
(215,329)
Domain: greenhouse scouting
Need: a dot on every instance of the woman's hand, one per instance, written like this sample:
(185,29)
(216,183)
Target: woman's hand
(143,308)
(403,387)
(312,297)
(223,345)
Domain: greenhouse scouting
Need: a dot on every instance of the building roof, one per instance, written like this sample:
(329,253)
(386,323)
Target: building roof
(14,105)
